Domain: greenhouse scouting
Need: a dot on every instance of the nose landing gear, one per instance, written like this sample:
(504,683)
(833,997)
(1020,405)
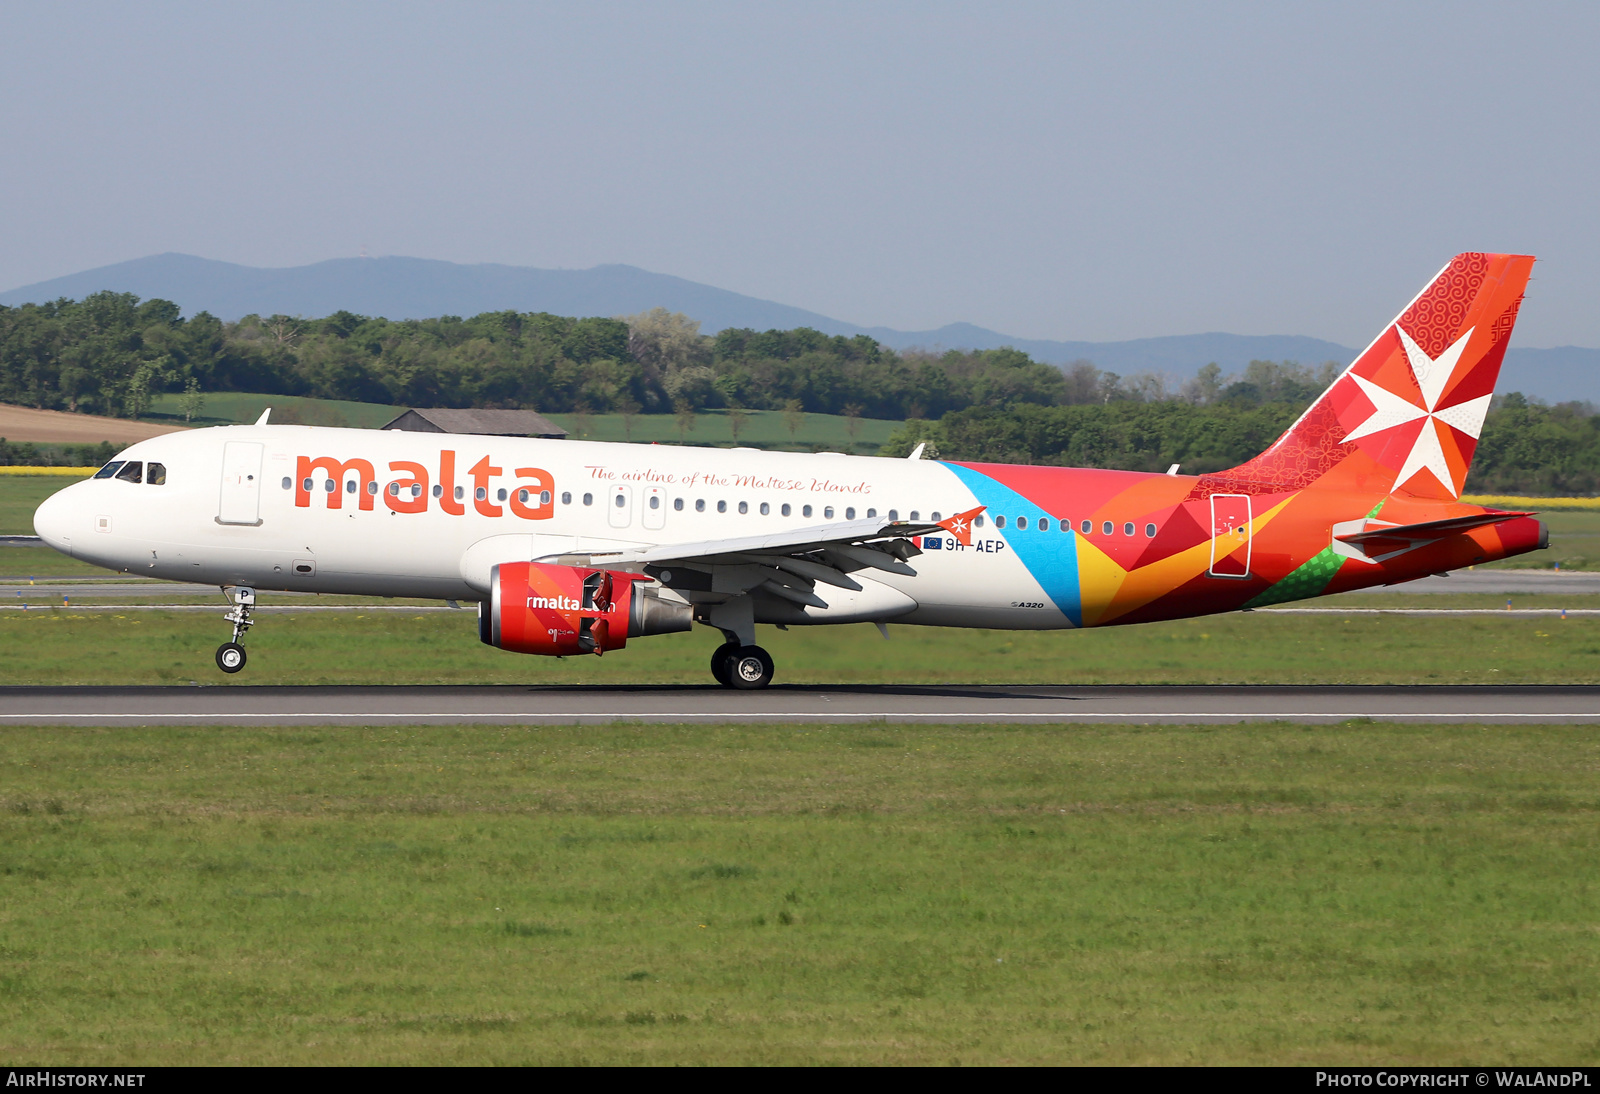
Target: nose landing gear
(230,655)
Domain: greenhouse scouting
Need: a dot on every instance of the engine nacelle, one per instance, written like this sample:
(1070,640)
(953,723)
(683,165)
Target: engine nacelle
(537,607)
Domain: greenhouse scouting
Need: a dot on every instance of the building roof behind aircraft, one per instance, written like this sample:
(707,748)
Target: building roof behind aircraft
(495,423)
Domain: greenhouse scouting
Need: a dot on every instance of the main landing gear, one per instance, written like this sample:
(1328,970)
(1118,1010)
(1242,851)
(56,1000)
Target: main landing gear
(744,668)
(230,655)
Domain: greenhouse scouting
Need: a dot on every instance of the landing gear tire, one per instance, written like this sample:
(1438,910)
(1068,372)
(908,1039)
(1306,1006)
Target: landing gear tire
(722,662)
(230,657)
(750,668)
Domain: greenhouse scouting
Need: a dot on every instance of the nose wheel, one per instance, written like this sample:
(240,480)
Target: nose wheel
(231,655)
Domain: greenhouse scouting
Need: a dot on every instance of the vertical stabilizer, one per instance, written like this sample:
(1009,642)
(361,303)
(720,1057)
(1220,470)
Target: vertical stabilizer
(1405,417)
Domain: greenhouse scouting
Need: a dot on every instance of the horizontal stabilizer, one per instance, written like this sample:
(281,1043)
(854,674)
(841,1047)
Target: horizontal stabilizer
(1427,530)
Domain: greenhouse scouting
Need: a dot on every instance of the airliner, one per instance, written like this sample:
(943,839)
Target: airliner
(575,547)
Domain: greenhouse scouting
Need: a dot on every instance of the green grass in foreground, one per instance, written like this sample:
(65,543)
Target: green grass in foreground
(55,646)
(1354,894)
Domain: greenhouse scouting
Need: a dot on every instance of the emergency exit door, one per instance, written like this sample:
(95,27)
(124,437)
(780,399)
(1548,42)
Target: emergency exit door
(1230,535)
(241,483)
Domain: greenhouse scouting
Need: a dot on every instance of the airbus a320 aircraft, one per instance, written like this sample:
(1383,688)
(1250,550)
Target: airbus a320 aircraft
(573,547)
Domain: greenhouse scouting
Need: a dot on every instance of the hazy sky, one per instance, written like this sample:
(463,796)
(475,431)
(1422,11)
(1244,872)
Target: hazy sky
(1048,170)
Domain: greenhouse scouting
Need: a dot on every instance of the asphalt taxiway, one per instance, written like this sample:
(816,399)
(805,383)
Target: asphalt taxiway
(518,705)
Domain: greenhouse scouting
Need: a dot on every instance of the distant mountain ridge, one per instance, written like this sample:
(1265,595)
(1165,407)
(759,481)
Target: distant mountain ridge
(419,288)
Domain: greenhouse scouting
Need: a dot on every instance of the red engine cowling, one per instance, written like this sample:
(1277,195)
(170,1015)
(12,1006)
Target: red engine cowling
(537,607)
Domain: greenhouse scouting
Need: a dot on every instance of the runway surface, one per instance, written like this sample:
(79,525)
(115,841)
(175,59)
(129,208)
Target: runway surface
(514,705)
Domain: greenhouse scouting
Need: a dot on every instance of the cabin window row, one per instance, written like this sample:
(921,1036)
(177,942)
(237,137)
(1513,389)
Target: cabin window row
(415,490)
(1042,524)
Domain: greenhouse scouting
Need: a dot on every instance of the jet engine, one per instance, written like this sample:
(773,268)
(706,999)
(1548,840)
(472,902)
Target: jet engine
(537,607)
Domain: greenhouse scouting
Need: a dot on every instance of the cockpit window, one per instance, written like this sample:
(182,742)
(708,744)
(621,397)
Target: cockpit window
(132,471)
(109,469)
(156,474)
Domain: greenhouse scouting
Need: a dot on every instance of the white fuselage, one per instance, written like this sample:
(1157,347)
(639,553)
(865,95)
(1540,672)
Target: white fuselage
(253,506)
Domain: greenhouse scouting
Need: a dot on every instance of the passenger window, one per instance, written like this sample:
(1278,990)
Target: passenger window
(765,508)
(743,507)
(1022,522)
(999,522)
(1066,526)
(306,485)
(915,515)
(330,486)
(287,482)
(372,488)
(501,494)
(132,471)
(622,500)
(699,505)
(480,494)
(677,505)
(827,512)
(1087,527)
(394,490)
(350,487)
(1150,531)
(522,496)
(872,513)
(805,510)
(934,515)
(722,507)
(850,514)
(977,521)
(156,474)
(894,514)
(566,497)
(655,501)
(544,497)
(438,491)
(1127,529)
(588,499)
(785,509)
(108,470)
(1107,528)
(461,492)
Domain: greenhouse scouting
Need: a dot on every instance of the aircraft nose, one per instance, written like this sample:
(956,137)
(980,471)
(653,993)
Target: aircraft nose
(53,520)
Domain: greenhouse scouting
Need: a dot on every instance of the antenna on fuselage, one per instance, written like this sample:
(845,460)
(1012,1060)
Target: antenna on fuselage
(265,414)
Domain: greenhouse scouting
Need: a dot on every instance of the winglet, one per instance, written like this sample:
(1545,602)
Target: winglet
(916,453)
(960,525)
(265,414)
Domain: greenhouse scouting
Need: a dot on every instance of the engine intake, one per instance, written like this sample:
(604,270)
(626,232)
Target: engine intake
(537,607)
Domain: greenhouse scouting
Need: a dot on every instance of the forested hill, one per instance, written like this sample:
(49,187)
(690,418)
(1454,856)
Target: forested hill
(111,352)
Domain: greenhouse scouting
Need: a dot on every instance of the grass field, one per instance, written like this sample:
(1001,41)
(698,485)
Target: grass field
(231,407)
(52,645)
(913,895)
(763,429)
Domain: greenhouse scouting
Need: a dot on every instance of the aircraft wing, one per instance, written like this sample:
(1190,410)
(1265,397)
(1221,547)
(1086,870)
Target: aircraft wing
(791,563)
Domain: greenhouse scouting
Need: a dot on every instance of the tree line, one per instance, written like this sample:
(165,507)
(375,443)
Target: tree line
(1526,448)
(111,353)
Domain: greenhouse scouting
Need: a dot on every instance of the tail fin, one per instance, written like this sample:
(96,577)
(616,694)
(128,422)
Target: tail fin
(1405,417)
